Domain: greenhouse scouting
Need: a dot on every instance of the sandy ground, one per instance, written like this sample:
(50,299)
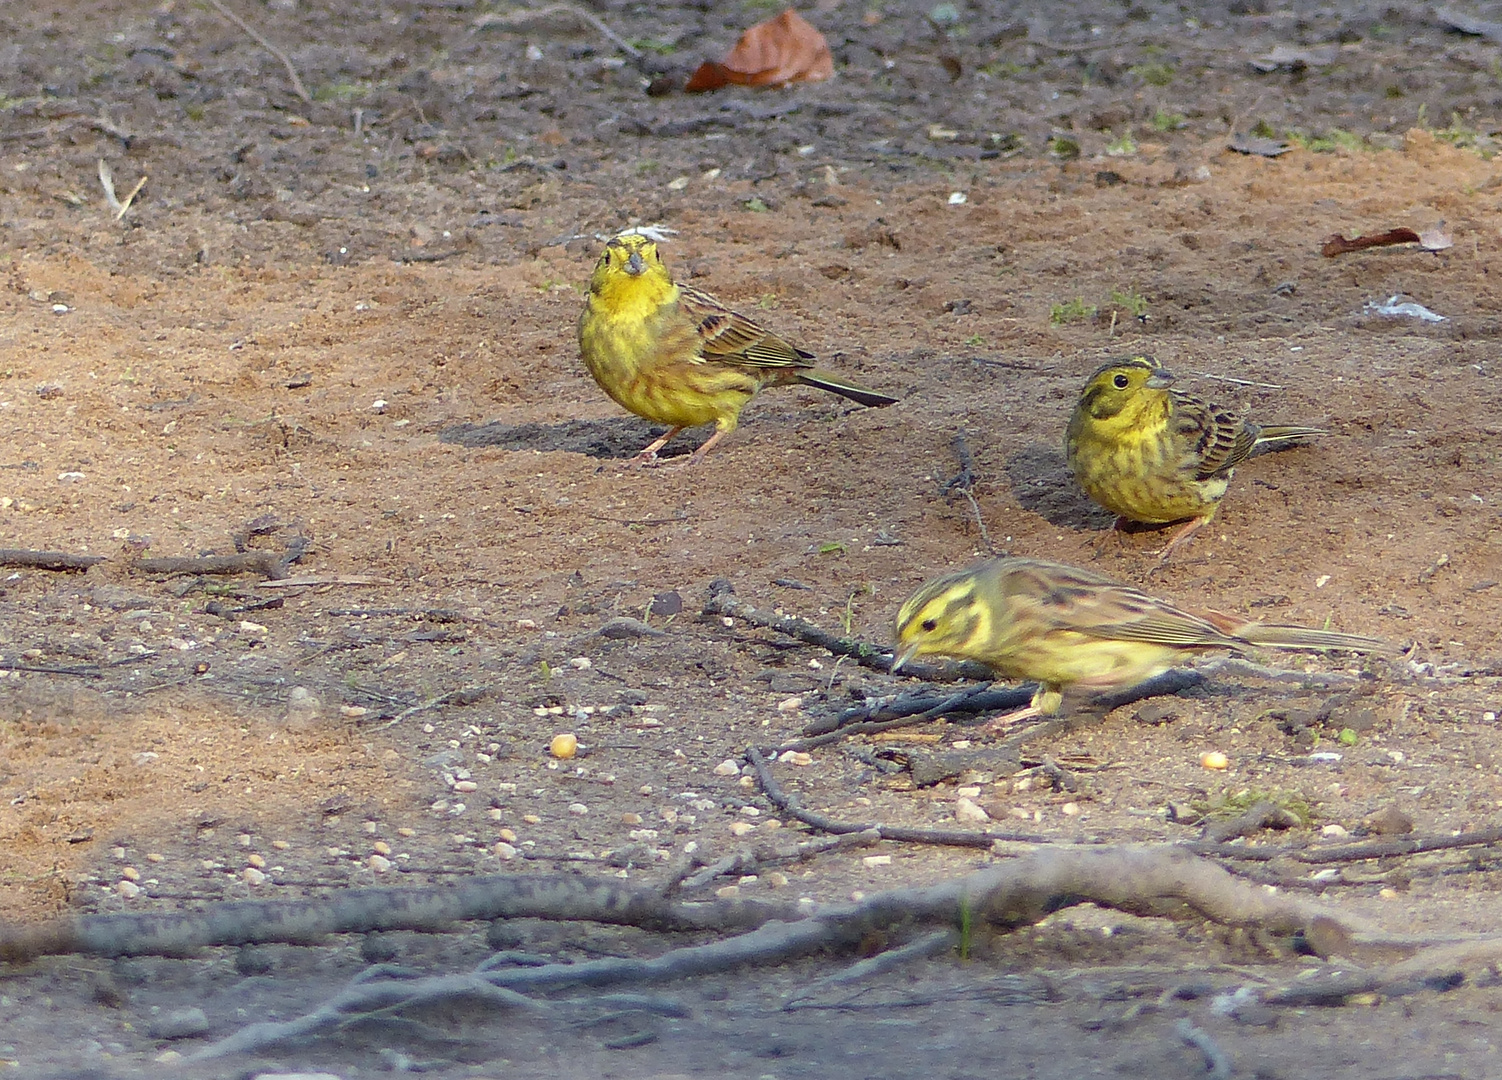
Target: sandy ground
(364,340)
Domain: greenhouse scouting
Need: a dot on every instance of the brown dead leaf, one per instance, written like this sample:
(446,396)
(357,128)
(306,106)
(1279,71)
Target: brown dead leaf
(779,51)
(1339,245)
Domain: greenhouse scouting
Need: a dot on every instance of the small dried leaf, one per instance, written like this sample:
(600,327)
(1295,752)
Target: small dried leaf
(1337,244)
(773,53)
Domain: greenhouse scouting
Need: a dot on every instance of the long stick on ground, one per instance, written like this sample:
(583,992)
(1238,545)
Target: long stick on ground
(260,39)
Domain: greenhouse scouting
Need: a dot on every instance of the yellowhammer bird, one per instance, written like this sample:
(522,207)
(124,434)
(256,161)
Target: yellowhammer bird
(677,356)
(1149,453)
(1063,627)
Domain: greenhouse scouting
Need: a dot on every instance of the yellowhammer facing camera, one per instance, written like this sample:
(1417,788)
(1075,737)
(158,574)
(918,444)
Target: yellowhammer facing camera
(1063,627)
(1149,453)
(674,355)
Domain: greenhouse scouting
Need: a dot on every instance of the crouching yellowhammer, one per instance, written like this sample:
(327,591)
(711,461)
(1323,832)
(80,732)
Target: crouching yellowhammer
(1063,627)
(1153,454)
(674,355)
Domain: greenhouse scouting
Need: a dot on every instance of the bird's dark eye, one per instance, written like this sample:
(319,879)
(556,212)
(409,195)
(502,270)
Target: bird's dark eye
(930,624)
(1120,382)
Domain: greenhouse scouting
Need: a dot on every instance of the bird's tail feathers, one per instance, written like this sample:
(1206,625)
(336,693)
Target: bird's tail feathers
(837,384)
(1277,433)
(1299,637)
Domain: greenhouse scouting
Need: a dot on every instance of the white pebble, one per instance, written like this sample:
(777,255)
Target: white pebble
(379,863)
(582,663)
(792,704)
(466,786)
(728,767)
(128,889)
(1339,832)
(130,873)
(728,892)
(967,792)
(354,712)
(504,851)
(525,624)
(958,198)
(741,828)
(750,811)
(970,811)
(251,876)
(796,757)
(578,808)
(877,860)
(1070,809)
(380,847)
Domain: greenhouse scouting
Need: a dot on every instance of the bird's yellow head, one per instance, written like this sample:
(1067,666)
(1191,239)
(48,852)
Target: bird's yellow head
(947,617)
(1118,384)
(630,274)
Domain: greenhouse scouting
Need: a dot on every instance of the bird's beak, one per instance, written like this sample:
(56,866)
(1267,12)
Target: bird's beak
(1159,380)
(902,657)
(634,264)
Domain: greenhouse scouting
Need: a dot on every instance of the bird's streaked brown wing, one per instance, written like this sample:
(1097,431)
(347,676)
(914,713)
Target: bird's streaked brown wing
(1068,598)
(1217,439)
(730,338)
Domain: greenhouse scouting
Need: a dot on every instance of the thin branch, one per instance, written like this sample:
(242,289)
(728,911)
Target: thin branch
(1238,382)
(47,560)
(790,805)
(964,483)
(724,603)
(260,39)
(516,18)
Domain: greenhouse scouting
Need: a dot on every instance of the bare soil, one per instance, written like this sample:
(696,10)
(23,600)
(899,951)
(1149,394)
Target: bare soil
(351,321)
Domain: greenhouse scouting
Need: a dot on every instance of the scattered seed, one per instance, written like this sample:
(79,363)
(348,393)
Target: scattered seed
(404,831)
(531,819)
(1214,759)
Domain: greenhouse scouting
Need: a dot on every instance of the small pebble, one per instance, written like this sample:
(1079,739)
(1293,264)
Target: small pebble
(581,663)
(578,809)
(178,1024)
(728,767)
(128,889)
(1338,832)
(1070,809)
(564,746)
(508,835)
(751,811)
(251,876)
(405,831)
(796,757)
(354,712)
(1214,759)
(154,857)
(792,704)
(280,845)
(466,786)
(504,851)
(728,892)
(525,624)
(258,861)
(631,819)
(380,847)
(531,819)
(877,860)
(741,828)
(968,810)
(1390,821)
(776,880)
(130,873)
(379,863)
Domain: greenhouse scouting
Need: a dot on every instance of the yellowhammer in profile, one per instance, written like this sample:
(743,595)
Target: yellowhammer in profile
(1063,627)
(674,355)
(1149,453)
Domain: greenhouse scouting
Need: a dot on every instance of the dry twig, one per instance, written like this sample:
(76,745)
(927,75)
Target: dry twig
(516,18)
(260,39)
(47,560)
